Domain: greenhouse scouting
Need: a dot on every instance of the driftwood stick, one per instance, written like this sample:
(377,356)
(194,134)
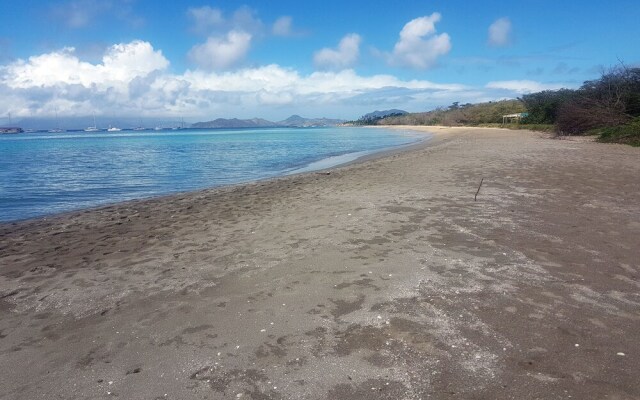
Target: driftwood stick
(475,198)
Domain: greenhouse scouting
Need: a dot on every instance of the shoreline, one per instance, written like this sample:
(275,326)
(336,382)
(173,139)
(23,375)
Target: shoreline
(372,154)
(383,274)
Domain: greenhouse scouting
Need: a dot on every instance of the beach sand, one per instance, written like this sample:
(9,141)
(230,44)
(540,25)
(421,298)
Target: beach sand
(383,279)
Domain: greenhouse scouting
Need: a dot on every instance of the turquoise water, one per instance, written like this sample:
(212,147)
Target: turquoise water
(48,173)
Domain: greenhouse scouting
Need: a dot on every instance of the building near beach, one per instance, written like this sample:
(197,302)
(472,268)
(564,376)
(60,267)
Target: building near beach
(517,117)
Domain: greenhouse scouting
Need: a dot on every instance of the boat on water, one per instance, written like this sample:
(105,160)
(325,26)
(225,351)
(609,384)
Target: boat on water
(10,129)
(93,128)
(179,127)
(139,128)
(57,129)
(157,128)
(113,129)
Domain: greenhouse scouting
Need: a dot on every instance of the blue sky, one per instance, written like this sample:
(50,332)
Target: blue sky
(205,60)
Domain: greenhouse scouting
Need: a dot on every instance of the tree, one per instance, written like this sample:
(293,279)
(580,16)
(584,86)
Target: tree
(543,106)
(612,100)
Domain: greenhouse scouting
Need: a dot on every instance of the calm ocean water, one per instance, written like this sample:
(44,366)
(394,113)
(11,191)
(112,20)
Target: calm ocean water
(48,173)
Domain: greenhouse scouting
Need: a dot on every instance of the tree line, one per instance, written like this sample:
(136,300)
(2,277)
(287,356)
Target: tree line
(612,100)
(608,106)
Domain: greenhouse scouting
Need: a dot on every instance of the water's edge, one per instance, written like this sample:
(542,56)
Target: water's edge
(328,163)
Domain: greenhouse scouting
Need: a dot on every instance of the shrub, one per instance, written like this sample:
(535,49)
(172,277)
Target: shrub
(627,133)
(609,101)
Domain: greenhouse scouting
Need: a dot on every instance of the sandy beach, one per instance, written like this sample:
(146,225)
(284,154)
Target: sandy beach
(383,279)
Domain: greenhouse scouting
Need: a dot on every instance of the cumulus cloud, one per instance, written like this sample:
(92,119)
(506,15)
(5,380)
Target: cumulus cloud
(283,26)
(419,46)
(344,56)
(524,86)
(133,80)
(221,53)
(275,78)
(120,63)
(500,32)
(61,80)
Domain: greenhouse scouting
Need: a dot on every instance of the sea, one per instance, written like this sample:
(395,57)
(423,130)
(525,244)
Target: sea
(48,173)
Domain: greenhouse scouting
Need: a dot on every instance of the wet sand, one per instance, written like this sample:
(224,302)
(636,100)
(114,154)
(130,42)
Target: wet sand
(383,279)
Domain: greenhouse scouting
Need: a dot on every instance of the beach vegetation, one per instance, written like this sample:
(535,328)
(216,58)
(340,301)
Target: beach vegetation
(459,115)
(610,101)
(543,107)
(628,133)
(608,107)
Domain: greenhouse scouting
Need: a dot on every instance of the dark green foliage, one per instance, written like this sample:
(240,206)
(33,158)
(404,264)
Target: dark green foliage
(609,106)
(628,133)
(543,106)
(374,120)
(610,101)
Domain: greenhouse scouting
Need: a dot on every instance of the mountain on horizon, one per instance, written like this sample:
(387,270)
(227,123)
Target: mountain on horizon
(381,114)
(294,121)
(234,123)
(301,122)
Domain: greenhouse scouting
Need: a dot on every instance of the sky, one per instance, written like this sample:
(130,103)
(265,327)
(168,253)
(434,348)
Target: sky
(271,59)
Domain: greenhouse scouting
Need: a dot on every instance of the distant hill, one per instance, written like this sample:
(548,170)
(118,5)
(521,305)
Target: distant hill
(458,114)
(234,123)
(382,114)
(373,118)
(293,121)
(298,121)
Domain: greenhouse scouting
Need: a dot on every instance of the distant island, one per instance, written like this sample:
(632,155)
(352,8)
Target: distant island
(294,121)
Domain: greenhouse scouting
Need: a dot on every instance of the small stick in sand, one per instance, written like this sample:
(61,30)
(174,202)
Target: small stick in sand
(475,198)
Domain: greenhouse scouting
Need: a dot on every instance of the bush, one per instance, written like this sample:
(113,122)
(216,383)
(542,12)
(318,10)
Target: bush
(627,134)
(609,101)
(543,107)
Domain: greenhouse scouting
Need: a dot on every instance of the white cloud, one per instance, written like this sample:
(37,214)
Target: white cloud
(344,56)
(283,26)
(524,86)
(121,62)
(221,52)
(275,78)
(204,19)
(244,18)
(500,32)
(207,21)
(133,79)
(419,46)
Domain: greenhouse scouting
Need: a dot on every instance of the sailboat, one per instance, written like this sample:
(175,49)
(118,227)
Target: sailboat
(93,128)
(57,128)
(181,126)
(140,127)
